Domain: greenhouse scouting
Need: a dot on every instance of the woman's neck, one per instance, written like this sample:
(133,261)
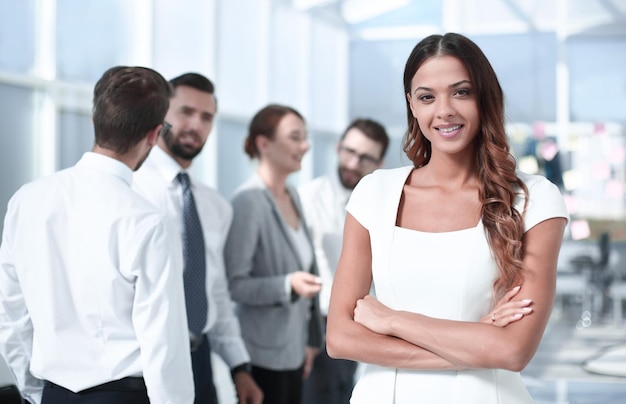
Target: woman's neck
(450,171)
(275,181)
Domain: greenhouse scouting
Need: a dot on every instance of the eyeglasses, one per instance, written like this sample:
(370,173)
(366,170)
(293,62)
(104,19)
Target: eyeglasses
(364,159)
(165,128)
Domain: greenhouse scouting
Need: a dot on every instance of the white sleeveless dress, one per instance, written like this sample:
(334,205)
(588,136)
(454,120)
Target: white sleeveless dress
(443,275)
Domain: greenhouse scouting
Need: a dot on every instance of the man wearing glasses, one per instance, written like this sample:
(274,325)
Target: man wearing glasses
(200,218)
(360,151)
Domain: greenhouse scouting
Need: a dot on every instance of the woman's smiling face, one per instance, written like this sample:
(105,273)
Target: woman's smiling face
(443,100)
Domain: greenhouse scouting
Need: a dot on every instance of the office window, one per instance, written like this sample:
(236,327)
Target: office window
(17,148)
(527,76)
(75,137)
(242,57)
(234,167)
(597,82)
(17,35)
(329,77)
(91,37)
(323,152)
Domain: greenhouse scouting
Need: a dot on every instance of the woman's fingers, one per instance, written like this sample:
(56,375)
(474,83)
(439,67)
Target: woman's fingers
(509,295)
(510,312)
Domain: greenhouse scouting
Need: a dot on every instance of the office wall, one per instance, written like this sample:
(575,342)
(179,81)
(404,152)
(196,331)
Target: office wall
(256,51)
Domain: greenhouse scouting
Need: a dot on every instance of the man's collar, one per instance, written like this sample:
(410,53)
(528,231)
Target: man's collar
(109,164)
(338,186)
(165,164)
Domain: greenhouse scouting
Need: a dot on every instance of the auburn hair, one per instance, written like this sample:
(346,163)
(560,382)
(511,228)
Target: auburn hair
(499,184)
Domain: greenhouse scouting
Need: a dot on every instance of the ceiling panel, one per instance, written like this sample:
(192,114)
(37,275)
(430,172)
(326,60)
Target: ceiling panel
(376,19)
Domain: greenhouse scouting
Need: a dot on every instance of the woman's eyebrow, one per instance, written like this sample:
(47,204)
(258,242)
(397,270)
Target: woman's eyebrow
(453,85)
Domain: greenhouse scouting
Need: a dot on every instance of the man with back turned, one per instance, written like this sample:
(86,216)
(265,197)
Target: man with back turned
(91,301)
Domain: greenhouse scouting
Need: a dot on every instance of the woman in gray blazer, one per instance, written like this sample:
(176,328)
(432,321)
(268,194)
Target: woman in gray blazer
(270,262)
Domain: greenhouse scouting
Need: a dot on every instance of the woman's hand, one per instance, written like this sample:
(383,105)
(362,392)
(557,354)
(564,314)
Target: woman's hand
(305,284)
(309,357)
(508,311)
(372,314)
(375,316)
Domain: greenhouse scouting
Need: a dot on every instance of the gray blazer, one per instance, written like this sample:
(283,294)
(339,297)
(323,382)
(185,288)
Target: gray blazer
(276,325)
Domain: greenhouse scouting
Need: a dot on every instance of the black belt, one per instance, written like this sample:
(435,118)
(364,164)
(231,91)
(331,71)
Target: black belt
(125,384)
(196,342)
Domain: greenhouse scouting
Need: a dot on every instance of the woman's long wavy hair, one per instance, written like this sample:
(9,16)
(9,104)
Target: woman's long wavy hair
(498,181)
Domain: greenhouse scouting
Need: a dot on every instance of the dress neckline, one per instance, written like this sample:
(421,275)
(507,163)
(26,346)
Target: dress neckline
(479,225)
(399,197)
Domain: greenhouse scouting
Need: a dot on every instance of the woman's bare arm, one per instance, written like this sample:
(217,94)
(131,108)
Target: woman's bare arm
(351,340)
(478,345)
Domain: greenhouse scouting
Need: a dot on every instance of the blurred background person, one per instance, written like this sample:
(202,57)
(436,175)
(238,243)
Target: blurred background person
(164,180)
(270,259)
(91,300)
(360,151)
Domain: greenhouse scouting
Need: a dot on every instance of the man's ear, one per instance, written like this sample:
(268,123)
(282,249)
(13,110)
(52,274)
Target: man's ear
(153,135)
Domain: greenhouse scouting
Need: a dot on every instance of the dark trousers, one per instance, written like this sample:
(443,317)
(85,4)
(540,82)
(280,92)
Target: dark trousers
(203,373)
(129,390)
(331,381)
(279,386)
(10,395)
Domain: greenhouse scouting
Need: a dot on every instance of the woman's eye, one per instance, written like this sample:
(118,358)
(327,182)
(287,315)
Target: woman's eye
(425,97)
(463,92)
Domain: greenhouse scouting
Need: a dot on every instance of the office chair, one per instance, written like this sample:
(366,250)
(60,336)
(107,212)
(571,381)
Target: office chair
(600,278)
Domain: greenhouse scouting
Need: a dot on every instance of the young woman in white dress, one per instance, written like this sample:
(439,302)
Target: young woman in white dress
(461,248)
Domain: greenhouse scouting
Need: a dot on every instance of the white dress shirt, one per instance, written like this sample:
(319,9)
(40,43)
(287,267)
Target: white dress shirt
(88,290)
(156,181)
(324,204)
